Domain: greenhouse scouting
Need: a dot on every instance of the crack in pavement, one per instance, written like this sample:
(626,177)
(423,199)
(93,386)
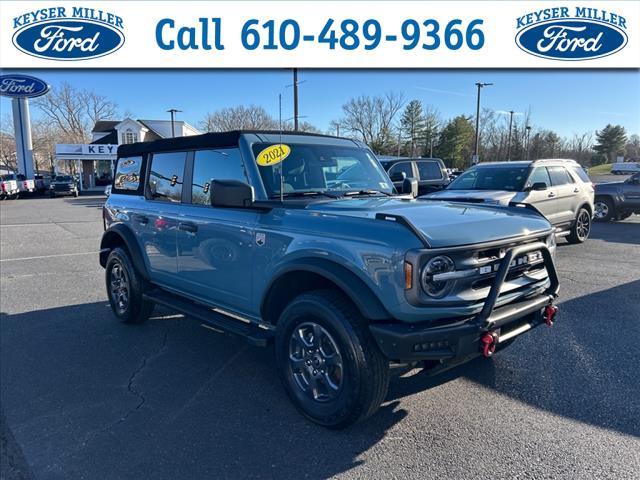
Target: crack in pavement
(140,368)
(131,390)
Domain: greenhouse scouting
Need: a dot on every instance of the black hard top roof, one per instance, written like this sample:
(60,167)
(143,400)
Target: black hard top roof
(206,140)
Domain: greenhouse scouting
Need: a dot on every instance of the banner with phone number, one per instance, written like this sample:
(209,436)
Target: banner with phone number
(320,34)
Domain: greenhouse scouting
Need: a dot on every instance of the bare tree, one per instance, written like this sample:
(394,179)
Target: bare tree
(632,149)
(372,119)
(238,118)
(74,112)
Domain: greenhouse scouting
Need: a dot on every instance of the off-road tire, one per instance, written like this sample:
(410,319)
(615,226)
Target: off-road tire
(578,234)
(365,371)
(135,309)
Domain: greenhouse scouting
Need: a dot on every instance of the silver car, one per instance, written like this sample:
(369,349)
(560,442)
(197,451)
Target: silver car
(559,189)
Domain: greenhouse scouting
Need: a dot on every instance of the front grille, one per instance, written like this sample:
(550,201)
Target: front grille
(62,188)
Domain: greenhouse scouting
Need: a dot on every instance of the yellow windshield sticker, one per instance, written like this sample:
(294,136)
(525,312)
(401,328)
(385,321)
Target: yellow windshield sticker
(273,155)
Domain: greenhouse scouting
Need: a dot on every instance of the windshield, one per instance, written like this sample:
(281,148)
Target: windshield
(63,178)
(491,178)
(322,169)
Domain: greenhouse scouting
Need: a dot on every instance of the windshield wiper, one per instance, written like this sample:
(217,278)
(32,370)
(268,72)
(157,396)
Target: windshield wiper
(367,192)
(312,193)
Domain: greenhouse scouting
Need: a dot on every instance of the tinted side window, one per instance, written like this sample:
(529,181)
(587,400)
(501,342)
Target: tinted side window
(128,173)
(402,167)
(429,171)
(539,175)
(559,176)
(579,171)
(166,176)
(223,164)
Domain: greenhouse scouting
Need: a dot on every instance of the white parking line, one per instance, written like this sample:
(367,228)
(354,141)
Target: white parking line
(48,256)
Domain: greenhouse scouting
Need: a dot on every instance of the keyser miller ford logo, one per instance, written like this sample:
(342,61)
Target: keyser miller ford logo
(576,33)
(68,33)
(18,86)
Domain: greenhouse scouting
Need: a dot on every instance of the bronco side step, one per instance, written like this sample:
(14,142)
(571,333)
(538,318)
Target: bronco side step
(255,335)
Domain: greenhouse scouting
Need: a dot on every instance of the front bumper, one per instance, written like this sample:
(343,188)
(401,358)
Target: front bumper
(460,340)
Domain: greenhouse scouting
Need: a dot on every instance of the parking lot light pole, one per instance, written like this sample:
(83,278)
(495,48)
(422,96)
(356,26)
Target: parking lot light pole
(480,85)
(173,112)
(528,129)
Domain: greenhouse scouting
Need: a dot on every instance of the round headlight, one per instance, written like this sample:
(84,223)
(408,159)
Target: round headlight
(439,264)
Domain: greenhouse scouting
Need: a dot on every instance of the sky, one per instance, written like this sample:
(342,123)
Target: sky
(566,101)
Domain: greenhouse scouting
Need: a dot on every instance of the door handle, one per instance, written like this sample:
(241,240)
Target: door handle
(576,190)
(188,227)
(551,194)
(141,219)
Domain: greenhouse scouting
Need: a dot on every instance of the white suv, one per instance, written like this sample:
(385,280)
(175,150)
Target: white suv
(559,189)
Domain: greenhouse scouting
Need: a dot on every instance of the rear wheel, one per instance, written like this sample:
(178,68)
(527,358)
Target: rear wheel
(603,210)
(327,360)
(125,288)
(581,227)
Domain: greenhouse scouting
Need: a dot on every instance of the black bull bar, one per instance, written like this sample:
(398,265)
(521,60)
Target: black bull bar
(461,340)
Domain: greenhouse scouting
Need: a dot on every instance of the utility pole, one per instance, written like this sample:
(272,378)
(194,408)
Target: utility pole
(480,85)
(173,112)
(295,99)
(337,130)
(511,112)
(528,129)
(431,138)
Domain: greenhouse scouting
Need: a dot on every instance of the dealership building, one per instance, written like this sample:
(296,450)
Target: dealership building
(94,162)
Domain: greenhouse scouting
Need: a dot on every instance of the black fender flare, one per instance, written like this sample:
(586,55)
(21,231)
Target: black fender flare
(351,285)
(119,234)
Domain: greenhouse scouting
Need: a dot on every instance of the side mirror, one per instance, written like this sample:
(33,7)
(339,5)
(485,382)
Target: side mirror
(538,186)
(398,177)
(410,185)
(231,194)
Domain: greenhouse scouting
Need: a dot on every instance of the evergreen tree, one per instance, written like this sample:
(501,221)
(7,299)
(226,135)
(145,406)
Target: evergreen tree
(611,140)
(456,142)
(412,124)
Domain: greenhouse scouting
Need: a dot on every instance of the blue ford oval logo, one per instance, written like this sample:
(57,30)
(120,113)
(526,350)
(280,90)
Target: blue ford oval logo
(68,39)
(22,86)
(570,39)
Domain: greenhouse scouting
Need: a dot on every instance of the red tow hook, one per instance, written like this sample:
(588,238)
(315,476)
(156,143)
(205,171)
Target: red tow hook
(550,312)
(489,342)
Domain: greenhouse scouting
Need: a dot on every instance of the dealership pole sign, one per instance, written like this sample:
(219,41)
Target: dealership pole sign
(20,88)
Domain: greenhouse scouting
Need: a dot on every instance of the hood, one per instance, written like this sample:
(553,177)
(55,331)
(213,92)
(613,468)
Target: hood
(444,224)
(607,185)
(494,197)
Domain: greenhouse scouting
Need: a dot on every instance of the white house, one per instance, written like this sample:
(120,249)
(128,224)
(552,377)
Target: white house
(94,161)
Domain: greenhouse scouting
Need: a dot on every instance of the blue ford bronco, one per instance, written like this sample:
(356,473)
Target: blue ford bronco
(302,240)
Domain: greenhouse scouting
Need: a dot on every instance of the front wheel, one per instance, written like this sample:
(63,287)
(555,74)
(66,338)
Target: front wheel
(125,288)
(581,227)
(327,360)
(603,210)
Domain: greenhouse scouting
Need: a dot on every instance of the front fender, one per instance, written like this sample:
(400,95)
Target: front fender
(349,282)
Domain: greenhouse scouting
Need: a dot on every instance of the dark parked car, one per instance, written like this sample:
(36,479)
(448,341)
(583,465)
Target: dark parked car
(617,200)
(430,173)
(298,239)
(64,185)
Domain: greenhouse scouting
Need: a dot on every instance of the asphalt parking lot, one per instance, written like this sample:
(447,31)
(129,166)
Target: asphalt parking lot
(84,396)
